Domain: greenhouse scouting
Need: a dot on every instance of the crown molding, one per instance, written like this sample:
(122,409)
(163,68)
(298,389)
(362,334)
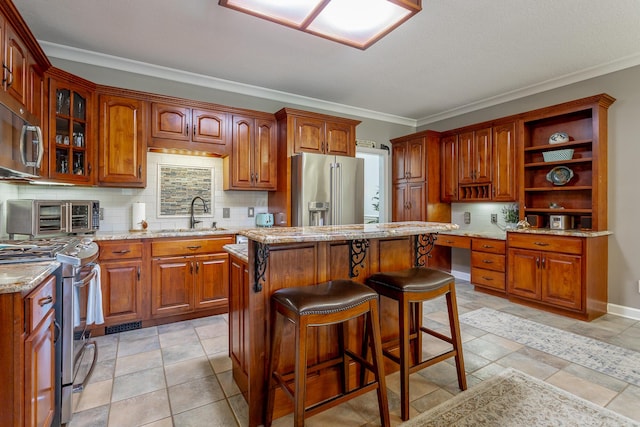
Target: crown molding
(567,79)
(123,64)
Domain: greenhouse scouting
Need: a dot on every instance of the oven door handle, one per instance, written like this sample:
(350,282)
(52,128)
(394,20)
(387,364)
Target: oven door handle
(88,278)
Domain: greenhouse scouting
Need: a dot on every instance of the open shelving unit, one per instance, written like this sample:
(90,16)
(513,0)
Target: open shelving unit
(584,196)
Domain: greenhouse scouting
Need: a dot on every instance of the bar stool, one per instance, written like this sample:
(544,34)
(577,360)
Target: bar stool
(332,302)
(410,288)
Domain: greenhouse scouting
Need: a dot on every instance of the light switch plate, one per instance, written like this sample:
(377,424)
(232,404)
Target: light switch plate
(226,213)
(250,212)
(467,217)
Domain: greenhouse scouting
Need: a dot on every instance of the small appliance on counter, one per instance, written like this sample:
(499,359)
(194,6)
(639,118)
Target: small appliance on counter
(560,222)
(41,218)
(264,220)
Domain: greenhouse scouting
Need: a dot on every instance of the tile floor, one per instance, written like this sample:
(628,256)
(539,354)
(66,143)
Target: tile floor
(180,374)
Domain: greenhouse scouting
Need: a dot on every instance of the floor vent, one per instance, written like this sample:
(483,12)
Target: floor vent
(122,328)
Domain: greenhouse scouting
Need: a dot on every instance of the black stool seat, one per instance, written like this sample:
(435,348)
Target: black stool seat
(325,298)
(410,288)
(329,303)
(415,279)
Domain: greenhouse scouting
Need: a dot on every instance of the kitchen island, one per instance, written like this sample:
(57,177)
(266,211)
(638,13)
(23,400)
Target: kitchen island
(282,257)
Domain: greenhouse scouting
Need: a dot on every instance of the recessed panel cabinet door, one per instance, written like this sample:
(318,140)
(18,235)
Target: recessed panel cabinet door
(308,135)
(208,127)
(524,273)
(265,158)
(211,280)
(170,121)
(40,369)
(242,152)
(16,61)
(171,285)
(449,171)
(123,148)
(504,162)
(561,280)
(121,289)
(339,139)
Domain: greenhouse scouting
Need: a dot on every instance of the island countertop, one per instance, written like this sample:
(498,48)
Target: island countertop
(324,233)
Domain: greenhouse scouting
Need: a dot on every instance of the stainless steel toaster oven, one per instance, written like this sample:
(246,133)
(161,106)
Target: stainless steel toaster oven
(38,218)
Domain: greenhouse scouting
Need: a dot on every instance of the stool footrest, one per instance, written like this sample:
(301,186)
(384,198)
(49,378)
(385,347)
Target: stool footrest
(334,401)
(431,361)
(437,335)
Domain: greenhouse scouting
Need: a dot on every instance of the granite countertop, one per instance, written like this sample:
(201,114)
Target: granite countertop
(566,233)
(152,234)
(323,233)
(22,277)
(241,250)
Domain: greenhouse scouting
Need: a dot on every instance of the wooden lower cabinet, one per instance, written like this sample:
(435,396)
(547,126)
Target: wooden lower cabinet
(564,274)
(27,359)
(122,275)
(408,201)
(488,263)
(184,283)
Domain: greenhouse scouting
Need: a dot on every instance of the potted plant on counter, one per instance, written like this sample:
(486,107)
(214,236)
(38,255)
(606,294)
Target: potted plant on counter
(511,215)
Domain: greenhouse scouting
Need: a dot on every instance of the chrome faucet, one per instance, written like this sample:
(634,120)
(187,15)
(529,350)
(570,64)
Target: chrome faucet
(194,221)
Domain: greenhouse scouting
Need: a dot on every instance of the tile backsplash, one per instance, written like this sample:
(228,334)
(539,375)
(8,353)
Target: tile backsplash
(117,202)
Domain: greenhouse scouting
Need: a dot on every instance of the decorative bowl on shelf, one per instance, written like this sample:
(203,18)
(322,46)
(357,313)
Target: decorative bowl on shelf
(558,138)
(560,175)
(557,155)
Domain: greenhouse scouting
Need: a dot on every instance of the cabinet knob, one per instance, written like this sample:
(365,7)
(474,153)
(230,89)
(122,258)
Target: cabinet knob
(537,262)
(487,261)
(138,274)
(139,171)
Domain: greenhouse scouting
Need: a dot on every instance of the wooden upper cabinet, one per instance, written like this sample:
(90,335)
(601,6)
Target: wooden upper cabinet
(449,168)
(504,163)
(177,126)
(339,137)
(474,152)
(208,127)
(15,61)
(71,136)
(308,135)
(122,149)
(409,160)
(317,133)
(170,122)
(252,164)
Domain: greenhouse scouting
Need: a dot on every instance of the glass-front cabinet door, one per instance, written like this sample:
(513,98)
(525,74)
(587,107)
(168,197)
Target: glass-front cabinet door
(70,151)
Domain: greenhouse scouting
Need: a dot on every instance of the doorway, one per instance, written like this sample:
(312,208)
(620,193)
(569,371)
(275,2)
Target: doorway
(376,184)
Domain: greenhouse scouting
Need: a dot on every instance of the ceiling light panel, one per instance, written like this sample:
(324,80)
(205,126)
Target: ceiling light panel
(357,23)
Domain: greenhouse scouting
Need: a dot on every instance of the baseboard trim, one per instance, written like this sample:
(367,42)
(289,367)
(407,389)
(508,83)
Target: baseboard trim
(621,310)
(461,275)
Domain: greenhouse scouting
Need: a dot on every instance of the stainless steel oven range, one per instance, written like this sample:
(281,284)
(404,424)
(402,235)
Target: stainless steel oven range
(77,257)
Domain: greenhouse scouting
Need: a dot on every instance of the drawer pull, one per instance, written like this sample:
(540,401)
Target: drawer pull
(487,246)
(193,248)
(122,252)
(541,243)
(44,301)
(487,261)
(487,278)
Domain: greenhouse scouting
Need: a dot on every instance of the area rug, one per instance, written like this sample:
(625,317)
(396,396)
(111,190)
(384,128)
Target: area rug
(514,398)
(617,362)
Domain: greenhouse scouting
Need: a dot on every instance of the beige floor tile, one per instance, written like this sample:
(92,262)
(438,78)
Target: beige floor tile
(136,383)
(486,349)
(182,337)
(180,353)
(580,387)
(212,330)
(229,386)
(139,333)
(342,415)
(217,414)
(94,395)
(527,365)
(94,417)
(219,344)
(165,422)
(220,362)
(240,409)
(626,403)
(418,385)
(140,410)
(138,362)
(141,345)
(195,393)
(188,370)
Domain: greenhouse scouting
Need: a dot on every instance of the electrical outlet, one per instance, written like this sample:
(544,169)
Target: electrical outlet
(638,286)
(467,217)
(225,213)
(250,212)
(494,218)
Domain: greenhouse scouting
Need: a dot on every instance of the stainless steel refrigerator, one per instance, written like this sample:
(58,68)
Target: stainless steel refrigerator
(326,190)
